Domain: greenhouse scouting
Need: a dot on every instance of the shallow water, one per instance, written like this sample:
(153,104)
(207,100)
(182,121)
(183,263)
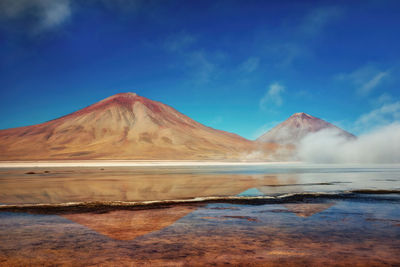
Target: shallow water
(62,185)
(360,233)
(338,227)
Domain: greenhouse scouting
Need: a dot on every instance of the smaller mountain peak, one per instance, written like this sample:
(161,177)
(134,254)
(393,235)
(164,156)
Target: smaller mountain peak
(301,115)
(125,99)
(128,94)
(120,97)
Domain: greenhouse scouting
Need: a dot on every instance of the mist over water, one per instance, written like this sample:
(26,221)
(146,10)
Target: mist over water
(329,146)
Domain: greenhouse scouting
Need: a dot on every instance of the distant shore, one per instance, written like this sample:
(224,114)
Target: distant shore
(178,163)
(134,163)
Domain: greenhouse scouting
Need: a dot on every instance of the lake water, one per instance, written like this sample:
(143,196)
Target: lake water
(275,214)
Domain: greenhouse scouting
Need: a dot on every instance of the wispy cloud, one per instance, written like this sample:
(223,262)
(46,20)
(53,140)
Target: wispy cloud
(216,120)
(250,65)
(297,41)
(365,79)
(200,66)
(318,18)
(203,68)
(45,14)
(123,5)
(180,41)
(385,114)
(367,87)
(285,52)
(383,98)
(273,96)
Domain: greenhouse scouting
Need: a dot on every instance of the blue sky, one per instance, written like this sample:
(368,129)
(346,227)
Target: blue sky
(239,66)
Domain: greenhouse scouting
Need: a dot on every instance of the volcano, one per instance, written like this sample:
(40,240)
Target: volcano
(296,127)
(123,126)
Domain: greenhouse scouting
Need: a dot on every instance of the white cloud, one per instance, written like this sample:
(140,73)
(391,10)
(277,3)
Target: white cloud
(46,14)
(379,146)
(365,79)
(273,95)
(379,141)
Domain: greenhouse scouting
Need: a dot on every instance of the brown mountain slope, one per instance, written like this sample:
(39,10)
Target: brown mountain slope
(123,126)
(296,127)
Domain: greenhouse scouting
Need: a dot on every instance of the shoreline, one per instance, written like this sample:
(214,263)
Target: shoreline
(287,198)
(182,163)
(136,163)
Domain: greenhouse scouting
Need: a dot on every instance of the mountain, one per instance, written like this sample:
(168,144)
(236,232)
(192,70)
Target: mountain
(296,127)
(123,126)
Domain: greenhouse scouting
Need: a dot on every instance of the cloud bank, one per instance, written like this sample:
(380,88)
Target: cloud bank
(327,146)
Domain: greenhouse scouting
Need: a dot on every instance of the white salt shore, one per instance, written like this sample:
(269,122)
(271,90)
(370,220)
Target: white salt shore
(182,163)
(132,163)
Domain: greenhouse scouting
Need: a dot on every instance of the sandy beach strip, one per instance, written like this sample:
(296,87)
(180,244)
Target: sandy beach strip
(132,163)
(183,163)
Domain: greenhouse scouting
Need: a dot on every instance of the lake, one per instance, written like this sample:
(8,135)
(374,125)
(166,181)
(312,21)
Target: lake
(265,214)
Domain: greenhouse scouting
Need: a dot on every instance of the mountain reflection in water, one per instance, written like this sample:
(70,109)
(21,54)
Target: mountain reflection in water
(342,233)
(62,185)
(282,215)
(129,224)
(93,185)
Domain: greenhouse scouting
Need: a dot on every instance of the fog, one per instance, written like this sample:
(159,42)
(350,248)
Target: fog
(328,146)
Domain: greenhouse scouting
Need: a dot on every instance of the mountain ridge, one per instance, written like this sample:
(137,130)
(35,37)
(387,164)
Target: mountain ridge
(129,126)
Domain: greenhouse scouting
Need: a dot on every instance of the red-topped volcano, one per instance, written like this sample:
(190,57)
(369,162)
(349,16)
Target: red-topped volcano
(123,126)
(296,127)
